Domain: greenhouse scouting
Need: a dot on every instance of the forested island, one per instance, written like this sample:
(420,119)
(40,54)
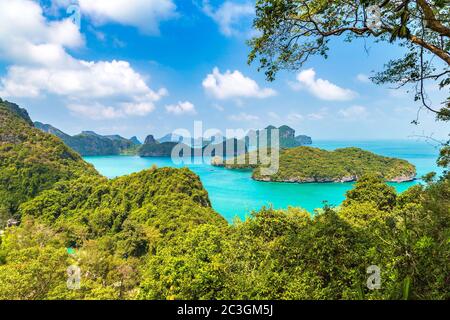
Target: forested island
(307,164)
(154,235)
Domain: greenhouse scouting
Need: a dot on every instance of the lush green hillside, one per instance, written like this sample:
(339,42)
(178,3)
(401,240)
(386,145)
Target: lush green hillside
(154,235)
(307,164)
(30,160)
(113,225)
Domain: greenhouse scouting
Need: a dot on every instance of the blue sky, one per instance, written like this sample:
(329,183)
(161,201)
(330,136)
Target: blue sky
(139,67)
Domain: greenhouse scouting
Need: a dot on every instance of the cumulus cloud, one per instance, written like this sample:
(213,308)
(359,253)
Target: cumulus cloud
(234,85)
(26,37)
(41,65)
(181,108)
(243,117)
(145,15)
(85,79)
(230,16)
(320,88)
(354,112)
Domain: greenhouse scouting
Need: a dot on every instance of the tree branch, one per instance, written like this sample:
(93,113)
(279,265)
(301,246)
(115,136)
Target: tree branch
(431,21)
(444,55)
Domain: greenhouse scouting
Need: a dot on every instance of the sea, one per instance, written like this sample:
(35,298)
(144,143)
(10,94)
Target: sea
(234,194)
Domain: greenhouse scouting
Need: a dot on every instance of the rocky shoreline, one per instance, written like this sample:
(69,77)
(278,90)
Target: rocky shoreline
(400,179)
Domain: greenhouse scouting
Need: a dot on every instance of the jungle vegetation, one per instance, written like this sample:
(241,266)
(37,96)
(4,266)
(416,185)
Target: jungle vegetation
(154,235)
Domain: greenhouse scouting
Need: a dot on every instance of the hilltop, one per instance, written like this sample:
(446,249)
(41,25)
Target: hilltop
(288,139)
(89,143)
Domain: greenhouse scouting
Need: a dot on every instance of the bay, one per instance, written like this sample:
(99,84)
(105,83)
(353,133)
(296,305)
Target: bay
(235,194)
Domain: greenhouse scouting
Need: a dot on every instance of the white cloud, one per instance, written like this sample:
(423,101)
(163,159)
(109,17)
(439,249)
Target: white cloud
(243,117)
(26,37)
(145,15)
(137,108)
(320,88)
(41,65)
(363,78)
(294,117)
(234,85)
(320,115)
(181,108)
(230,16)
(354,112)
(85,79)
(95,111)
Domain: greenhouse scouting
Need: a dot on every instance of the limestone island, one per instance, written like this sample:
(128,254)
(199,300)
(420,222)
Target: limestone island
(313,165)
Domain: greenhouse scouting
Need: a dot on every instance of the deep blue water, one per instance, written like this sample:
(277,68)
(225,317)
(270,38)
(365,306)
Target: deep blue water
(234,193)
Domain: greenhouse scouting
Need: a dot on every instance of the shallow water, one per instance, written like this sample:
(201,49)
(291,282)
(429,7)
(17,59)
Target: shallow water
(234,193)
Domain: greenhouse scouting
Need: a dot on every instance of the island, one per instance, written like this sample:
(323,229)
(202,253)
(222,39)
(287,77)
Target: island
(309,165)
(155,148)
(89,143)
(287,140)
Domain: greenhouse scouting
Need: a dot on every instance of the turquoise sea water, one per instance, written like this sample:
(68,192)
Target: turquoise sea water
(234,193)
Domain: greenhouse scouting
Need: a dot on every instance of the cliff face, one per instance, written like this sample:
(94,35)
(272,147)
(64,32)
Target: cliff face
(150,140)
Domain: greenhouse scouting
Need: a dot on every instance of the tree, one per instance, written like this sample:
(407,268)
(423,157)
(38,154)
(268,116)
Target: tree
(292,31)
(372,189)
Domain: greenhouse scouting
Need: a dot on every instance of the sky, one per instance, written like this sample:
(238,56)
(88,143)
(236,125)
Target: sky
(139,67)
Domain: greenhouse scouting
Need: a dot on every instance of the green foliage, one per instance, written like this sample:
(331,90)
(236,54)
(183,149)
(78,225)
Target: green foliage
(154,235)
(190,267)
(30,160)
(307,164)
(372,189)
